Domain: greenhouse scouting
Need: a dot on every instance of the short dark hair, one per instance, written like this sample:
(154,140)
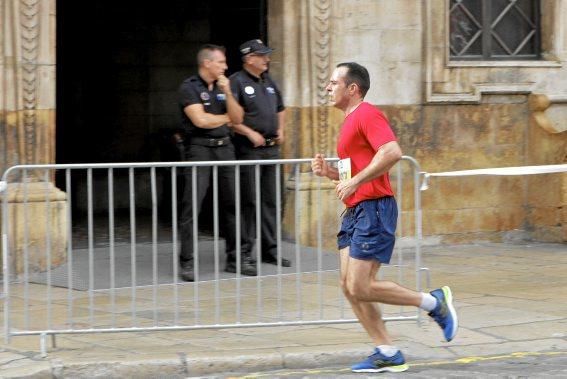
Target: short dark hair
(205,52)
(357,74)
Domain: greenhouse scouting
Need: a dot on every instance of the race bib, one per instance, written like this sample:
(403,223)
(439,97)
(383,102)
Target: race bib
(344,169)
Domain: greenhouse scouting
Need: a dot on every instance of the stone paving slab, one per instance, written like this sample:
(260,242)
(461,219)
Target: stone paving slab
(503,299)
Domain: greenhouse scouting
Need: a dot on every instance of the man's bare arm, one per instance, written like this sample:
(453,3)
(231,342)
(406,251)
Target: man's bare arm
(386,157)
(256,138)
(281,124)
(202,119)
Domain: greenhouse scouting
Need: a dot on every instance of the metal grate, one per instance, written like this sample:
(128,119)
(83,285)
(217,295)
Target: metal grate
(494,29)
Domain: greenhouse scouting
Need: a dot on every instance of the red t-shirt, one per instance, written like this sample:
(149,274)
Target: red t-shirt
(361,135)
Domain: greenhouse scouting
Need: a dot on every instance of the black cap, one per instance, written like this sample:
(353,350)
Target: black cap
(254,46)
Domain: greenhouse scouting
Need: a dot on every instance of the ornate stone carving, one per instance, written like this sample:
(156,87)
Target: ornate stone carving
(539,103)
(29,32)
(2,26)
(27,78)
(322,54)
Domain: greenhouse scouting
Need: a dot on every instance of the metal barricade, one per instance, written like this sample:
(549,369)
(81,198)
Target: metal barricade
(69,267)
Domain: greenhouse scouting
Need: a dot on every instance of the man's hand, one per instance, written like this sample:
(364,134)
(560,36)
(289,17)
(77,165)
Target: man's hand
(224,84)
(256,138)
(345,189)
(319,165)
(280,139)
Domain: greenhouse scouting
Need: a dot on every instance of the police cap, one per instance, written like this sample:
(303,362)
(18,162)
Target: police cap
(254,46)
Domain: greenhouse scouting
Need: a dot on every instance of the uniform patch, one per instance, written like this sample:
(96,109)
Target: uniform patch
(205,96)
(221,97)
(271,90)
(249,90)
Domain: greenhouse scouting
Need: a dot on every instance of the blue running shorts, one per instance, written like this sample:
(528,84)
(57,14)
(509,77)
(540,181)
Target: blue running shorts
(369,229)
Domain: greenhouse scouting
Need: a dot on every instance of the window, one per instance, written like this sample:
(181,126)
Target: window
(494,29)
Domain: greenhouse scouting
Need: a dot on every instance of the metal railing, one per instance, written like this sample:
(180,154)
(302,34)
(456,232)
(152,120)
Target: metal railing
(101,254)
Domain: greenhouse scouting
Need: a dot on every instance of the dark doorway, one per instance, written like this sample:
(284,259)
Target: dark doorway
(119,65)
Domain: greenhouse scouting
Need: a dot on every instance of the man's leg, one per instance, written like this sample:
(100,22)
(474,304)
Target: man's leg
(227,204)
(362,289)
(187,220)
(367,313)
(270,215)
(365,288)
(385,358)
(227,208)
(248,207)
(373,238)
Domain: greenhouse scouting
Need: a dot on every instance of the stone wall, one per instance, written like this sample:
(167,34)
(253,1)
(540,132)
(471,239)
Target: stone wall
(448,115)
(497,133)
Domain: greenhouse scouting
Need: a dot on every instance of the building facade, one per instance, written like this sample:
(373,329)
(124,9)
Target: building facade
(466,84)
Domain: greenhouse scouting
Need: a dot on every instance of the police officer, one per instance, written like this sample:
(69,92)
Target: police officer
(259,136)
(207,108)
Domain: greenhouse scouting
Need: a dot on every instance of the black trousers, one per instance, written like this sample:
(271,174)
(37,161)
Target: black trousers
(268,215)
(225,193)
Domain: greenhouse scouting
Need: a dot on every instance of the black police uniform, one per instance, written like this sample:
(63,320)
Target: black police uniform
(206,145)
(262,101)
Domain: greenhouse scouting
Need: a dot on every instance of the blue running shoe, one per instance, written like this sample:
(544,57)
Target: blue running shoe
(444,313)
(378,362)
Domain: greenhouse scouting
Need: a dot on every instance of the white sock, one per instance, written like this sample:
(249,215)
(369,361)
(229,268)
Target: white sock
(388,350)
(428,302)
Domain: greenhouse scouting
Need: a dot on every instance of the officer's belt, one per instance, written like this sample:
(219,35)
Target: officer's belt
(270,142)
(209,142)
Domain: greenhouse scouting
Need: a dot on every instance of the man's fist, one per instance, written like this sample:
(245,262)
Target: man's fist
(224,84)
(319,165)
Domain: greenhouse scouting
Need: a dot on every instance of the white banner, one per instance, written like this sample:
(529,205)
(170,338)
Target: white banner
(522,170)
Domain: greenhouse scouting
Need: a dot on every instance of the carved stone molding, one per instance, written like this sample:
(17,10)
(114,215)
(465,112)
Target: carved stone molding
(301,33)
(27,82)
(538,105)
(29,39)
(2,28)
(322,57)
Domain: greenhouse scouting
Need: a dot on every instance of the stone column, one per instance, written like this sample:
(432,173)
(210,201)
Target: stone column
(300,32)
(27,129)
(27,77)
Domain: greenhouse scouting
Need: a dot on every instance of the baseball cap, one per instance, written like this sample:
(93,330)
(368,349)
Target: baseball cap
(254,46)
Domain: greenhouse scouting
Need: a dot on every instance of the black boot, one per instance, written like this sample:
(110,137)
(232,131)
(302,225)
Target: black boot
(271,259)
(186,271)
(246,266)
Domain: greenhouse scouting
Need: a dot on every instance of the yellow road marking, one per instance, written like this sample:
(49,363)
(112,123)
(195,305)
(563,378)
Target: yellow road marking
(465,360)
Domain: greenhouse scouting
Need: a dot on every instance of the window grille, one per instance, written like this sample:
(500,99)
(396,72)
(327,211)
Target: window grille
(494,29)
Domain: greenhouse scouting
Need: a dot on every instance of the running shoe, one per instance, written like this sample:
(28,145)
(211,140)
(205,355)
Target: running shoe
(444,313)
(378,362)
